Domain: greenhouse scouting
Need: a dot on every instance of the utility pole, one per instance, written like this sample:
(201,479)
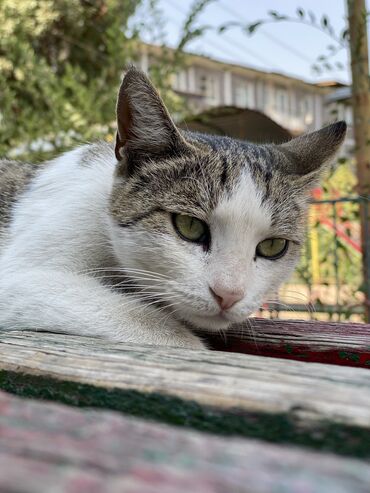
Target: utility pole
(361,125)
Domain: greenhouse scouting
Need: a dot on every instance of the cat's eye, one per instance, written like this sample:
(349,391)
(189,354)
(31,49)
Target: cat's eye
(272,248)
(190,228)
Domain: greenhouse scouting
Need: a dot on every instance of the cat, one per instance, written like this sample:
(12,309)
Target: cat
(164,232)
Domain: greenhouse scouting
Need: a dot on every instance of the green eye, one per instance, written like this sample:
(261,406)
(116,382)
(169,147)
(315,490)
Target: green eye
(190,228)
(272,248)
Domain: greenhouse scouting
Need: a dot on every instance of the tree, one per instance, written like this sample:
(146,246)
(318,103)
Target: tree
(357,17)
(60,64)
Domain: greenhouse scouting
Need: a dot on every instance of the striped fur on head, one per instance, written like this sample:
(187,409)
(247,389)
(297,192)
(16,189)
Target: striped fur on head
(245,193)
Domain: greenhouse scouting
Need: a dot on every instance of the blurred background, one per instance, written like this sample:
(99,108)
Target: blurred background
(261,71)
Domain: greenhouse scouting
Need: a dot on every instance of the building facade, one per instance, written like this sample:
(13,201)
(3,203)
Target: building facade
(294,104)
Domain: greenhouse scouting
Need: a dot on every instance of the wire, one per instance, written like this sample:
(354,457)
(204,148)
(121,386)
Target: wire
(244,50)
(270,36)
(228,40)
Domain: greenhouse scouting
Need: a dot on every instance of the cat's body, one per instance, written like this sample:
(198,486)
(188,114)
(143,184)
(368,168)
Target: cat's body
(92,247)
(56,259)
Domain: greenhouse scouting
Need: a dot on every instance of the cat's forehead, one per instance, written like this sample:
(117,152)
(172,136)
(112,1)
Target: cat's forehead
(234,159)
(242,210)
(239,165)
(236,151)
(244,186)
(216,172)
(221,180)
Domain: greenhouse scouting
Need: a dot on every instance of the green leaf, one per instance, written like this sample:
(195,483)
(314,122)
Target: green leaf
(68,60)
(252,27)
(324,21)
(276,15)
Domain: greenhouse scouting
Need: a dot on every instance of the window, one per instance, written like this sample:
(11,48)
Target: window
(282,101)
(181,81)
(210,88)
(242,96)
(306,109)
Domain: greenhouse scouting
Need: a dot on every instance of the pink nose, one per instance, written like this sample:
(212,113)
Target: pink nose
(226,298)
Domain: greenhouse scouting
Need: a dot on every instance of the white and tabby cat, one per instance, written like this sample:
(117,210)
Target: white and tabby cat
(167,232)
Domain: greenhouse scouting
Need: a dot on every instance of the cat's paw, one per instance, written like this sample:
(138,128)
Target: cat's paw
(192,343)
(172,334)
(184,339)
(178,335)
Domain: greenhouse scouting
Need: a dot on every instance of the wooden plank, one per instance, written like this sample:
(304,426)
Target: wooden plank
(211,378)
(345,344)
(276,399)
(48,448)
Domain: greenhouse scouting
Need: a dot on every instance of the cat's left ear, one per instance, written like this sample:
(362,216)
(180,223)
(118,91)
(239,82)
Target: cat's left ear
(144,126)
(308,154)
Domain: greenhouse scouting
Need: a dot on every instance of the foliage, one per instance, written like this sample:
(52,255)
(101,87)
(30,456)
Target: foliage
(60,63)
(338,263)
(325,61)
(163,68)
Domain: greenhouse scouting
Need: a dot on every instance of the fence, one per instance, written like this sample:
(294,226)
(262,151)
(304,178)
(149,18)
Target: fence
(328,283)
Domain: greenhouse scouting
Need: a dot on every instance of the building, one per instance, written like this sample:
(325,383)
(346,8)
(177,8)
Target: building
(296,105)
(338,104)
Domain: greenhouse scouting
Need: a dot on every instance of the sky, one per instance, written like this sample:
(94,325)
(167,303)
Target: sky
(283,47)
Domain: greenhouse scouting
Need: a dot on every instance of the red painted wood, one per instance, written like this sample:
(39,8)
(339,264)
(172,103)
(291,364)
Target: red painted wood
(50,448)
(344,344)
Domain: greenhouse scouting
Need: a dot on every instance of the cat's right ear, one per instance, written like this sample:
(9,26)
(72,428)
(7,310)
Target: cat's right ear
(144,126)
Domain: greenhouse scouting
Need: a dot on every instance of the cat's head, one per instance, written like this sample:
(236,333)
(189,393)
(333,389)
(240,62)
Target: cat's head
(208,225)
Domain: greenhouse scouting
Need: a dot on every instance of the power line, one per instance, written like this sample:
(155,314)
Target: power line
(244,50)
(229,41)
(221,49)
(273,38)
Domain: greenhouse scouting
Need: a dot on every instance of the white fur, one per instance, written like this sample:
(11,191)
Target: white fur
(62,234)
(60,230)
(186,273)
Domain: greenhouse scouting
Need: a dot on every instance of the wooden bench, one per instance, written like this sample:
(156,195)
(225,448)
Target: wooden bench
(204,420)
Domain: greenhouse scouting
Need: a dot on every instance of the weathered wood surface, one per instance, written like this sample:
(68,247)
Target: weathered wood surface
(49,448)
(307,391)
(345,344)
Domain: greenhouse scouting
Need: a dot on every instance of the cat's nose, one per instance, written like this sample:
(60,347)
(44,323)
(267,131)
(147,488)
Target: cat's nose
(226,298)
